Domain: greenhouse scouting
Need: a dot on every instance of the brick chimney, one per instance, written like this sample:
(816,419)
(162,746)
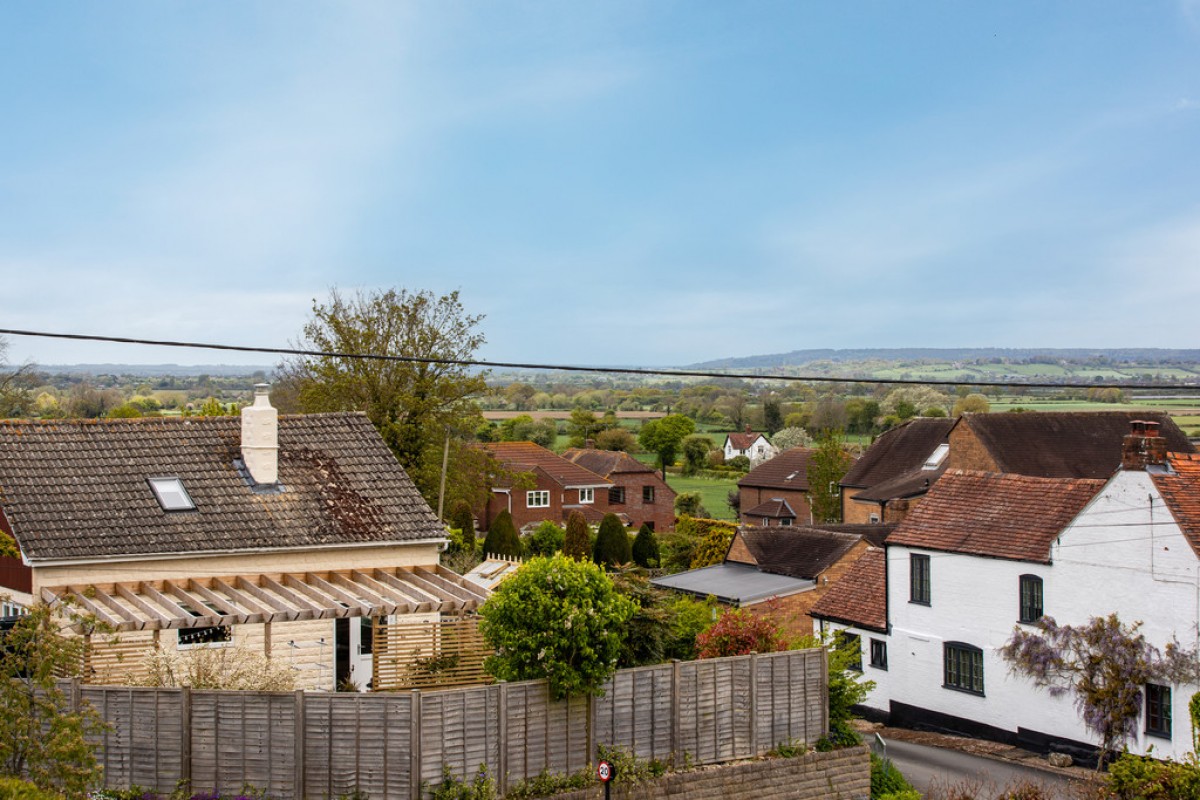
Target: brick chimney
(1143,445)
(748,431)
(260,438)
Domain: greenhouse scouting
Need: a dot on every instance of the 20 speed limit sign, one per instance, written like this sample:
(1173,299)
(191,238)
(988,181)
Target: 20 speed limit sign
(604,771)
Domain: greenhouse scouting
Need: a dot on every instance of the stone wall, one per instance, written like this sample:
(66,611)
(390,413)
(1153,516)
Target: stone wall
(841,774)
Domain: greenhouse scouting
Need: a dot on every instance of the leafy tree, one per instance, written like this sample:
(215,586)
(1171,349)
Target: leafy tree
(734,500)
(87,402)
(826,468)
(772,416)
(462,519)
(502,538)
(647,636)
(645,548)
(739,632)
(689,618)
(583,425)
(861,415)
(690,504)
(16,395)
(557,618)
(415,405)
(211,408)
(40,736)
(612,543)
(663,437)
(616,439)
(739,463)
(974,403)
(125,411)
(828,414)
(789,438)
(716,536)
(577,542)
(546,540)
(523,428)
(695,453)
(1104,665)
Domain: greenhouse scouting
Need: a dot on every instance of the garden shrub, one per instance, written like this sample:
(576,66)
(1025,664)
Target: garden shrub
(463,520)
(577,541)
(645,548)
(17,789)
(612,543)
(546,540)
(1140,778)
(502,537)
(886,779)
(739,632)
(481,787)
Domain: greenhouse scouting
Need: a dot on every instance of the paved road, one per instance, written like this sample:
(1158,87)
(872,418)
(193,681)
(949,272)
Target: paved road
(925,767)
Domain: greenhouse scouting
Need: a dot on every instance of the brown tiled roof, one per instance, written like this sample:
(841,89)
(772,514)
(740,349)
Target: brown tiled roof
(794,550)
(788,470)
(605,462)
(78,490)
(998,515)
(775,509)
(1181,491)
(910,484)
(874,532)
(898,451)
(742,441)
(527,456)
(1079,444)
(860,597)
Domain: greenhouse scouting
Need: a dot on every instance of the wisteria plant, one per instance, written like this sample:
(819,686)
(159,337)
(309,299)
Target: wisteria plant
(1103,664)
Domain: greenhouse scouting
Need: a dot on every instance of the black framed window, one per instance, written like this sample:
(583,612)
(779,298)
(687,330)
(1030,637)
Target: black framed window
(616,495)
(1031,598)
(918,579)
(963,667)
(878,654)
(850,643)
(1158,710)
(647,494)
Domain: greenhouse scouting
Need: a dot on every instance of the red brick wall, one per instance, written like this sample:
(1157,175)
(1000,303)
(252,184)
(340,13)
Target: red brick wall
(523,515)
(967,452)
(661,512)
(751,496)
(13,573)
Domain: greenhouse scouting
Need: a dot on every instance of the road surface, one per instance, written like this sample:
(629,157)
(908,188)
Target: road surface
(925,767)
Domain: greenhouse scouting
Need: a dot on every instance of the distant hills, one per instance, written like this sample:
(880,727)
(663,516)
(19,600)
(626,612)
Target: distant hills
(796,358)
(156,370)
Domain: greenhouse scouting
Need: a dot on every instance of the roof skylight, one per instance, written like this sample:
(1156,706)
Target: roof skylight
(937,457)
(171,495)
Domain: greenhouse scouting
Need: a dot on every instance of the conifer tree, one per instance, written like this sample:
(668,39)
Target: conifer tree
(612,543)
(645,547)
(578,542)
(502,537)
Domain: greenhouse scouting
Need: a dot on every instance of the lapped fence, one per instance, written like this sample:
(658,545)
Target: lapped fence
(388,745)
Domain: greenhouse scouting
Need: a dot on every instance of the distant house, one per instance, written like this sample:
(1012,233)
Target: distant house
(753,446)
(985,553)
(903,463)
(776,491)
(790,566)
(542,485)
(291,536)
(636,490)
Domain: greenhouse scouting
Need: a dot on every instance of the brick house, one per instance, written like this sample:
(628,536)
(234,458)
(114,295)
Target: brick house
(767,493)
(542,485)
(637,490)
(287,535)
(903,463)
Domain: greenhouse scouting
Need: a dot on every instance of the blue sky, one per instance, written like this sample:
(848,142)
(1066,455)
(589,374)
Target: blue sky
(609,183)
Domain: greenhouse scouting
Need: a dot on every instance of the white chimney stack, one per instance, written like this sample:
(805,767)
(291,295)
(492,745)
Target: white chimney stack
(260,438)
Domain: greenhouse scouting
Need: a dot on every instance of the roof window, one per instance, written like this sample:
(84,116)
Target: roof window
(171,495)
(937,457)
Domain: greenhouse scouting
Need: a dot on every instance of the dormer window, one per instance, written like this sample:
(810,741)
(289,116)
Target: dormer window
(937,457)
(171,495)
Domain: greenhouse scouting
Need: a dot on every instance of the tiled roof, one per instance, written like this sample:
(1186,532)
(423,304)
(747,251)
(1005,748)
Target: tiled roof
(796,551)
(1080,444)
(998,515)
(788,470)
(526,456)
(1181,491)
(605,462)
(860,597)
(742,441)
(775,509)
(77,490)
(910,484)
(898,451)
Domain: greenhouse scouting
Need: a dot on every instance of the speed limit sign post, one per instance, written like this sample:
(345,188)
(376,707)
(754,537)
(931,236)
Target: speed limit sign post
(605,772)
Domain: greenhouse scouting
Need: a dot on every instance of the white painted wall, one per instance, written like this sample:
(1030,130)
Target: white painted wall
(759,451)
(1122,554)
(877,698)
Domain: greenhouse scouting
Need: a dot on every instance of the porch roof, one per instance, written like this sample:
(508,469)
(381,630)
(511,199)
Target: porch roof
(261,598)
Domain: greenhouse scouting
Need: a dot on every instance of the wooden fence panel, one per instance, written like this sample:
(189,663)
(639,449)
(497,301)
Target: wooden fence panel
(141,745)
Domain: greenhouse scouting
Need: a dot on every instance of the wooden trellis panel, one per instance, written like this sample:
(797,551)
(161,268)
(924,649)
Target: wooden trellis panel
(429,654)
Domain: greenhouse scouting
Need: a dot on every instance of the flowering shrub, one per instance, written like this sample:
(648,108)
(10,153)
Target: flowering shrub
(739,632)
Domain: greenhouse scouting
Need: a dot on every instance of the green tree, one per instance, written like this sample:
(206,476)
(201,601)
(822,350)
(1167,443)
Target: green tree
(826,468)
(40,736)
(616,439)
(546,540)
(414,404)
(690,504)
(789,438)
(772,416)
(557,618)
(645,548)
(583,425)
(577,542)
(463,520)
(663,437)
(612,543)
(1104,664)
(973,403)
(695,453)
(502,538)
(211,408)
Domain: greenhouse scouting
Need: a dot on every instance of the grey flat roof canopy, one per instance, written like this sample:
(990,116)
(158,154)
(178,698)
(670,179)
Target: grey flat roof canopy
(733,583)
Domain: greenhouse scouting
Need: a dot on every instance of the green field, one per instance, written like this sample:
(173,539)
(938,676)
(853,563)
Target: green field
(712,492)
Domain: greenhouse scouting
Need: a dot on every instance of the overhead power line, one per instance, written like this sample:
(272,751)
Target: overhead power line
(674,373)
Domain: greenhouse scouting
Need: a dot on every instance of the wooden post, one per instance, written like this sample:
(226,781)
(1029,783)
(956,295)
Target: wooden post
(185,736)
(502,697)
(824,694)
(267,640)
(414,744)
(753,705)
(675,721)
(299,747)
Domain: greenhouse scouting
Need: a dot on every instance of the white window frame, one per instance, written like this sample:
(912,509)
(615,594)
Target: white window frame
(587,495)
(537,498)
